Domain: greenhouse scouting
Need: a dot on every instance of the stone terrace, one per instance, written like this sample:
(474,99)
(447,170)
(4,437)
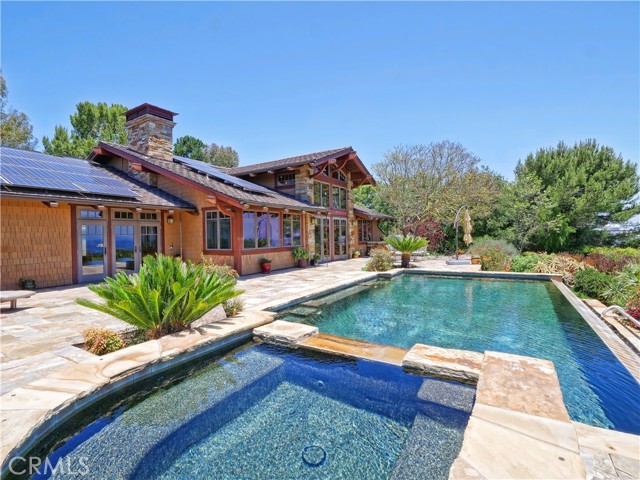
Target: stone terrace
(39,336)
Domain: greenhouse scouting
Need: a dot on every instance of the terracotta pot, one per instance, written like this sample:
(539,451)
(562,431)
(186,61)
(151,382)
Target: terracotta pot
(405,259)
(265,267)
(302,263)
(475,260)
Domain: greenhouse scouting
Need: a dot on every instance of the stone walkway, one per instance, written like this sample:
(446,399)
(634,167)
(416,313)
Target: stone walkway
(39,336)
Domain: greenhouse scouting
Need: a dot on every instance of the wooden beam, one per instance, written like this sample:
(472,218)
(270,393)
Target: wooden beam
(136,166)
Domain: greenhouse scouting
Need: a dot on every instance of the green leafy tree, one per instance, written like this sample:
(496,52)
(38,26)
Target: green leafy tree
(15,128)
(432,181)
(581,187)
(91,123)
(190,147)
(221,156)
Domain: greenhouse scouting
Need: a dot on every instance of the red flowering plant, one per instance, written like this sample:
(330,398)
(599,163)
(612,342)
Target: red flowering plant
(430,230)
(633,305)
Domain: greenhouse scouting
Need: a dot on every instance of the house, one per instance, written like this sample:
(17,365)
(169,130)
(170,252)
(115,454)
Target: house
(67,220)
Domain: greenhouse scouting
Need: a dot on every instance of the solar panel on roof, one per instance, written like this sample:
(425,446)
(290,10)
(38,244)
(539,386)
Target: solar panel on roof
(23,168)
(216,173)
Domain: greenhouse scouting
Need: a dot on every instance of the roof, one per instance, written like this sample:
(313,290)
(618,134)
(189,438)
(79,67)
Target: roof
(147,108)
(362,211)
(290,162)
(141,195)
(269,198)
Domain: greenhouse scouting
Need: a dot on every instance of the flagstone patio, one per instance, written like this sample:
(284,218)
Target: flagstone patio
(39,336)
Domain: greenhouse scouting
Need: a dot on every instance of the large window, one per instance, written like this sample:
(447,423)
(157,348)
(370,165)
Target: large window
(364,231)
(218,231)
(321,194)
(261,230)
(339,198)
(292,230)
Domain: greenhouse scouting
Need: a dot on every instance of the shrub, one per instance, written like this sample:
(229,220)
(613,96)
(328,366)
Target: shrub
(101,341)
(484,245)
(167,295)
(495,260)
(431,230)
(633,305)
(299,253)
(233,307)
(380,260)
(592,282)
(526,262)
(610,259)
(560,265)
(213,265)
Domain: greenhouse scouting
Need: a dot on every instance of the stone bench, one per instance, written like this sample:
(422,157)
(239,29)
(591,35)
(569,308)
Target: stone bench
(13,296)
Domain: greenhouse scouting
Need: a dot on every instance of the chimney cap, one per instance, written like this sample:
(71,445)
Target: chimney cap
(145,108)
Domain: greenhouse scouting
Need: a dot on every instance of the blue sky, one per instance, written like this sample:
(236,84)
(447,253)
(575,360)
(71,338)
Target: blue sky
(280,79)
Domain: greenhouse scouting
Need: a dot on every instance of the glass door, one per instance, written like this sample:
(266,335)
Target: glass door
(124,244)
(92,250)
(148,240)
(321,237)
(339,238)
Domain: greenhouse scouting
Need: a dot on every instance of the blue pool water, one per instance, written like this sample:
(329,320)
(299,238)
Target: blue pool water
(267,412)
(525,318)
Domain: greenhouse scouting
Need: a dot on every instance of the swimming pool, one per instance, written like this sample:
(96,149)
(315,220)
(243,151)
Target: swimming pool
(529,318)
(270,412)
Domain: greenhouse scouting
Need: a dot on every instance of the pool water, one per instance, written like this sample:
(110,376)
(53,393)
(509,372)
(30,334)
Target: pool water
(526,318)
(270,412)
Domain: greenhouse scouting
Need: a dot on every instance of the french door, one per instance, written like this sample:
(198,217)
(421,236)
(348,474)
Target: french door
(322,237)
(132,241)
(92,251)
(340,238)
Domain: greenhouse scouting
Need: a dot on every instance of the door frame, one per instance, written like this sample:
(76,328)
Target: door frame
(105,247)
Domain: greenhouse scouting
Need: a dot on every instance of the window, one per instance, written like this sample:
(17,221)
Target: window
(291,230)
(364,231)
(339,176)
(120,215)
(286,180)
(218,231)
(261,229)
(91,214)
(339,198)
(321,194)
(148,216)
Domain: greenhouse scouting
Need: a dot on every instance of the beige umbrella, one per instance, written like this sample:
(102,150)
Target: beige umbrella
(466,227)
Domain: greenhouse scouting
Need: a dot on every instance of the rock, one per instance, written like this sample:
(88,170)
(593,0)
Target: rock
(460,365)
(284,332)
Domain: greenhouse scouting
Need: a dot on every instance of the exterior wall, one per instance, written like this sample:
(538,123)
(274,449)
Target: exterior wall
(35,243)
(280,260)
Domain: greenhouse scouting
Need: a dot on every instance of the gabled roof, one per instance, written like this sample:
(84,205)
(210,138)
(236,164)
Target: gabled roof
(290,162)
(361,211)
(52,178)
(270,198)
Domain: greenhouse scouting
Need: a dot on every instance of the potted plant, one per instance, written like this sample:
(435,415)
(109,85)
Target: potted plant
(27,284)
(356,254)
(300,255)
(475,259)
(265,265)
(314,259)
(406,245)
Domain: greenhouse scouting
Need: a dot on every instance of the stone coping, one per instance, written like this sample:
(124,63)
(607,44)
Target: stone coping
(459,365)
(32,412)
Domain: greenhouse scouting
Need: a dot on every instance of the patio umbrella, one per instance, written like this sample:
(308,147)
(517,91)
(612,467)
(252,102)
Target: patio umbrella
(466,227)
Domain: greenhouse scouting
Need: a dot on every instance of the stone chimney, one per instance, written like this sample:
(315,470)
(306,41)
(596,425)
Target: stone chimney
(150,131)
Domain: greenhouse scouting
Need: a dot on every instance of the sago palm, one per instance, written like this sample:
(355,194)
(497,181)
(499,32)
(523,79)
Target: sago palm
(165,296)
(406,245)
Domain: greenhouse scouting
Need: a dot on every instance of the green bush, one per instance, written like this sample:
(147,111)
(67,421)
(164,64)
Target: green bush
(233,307)
(101,341)
(485,245)
(213,265)
(495,260)
(166,296)
(591,282)
(526,262)
(380,260)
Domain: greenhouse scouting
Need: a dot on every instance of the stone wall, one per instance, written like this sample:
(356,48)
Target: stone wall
(35,243)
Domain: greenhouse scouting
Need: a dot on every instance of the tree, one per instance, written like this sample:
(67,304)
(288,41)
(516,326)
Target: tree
(583,187)
(91,124)
(214,154)
(15,128)
(190,147)
(432,181)
(221,156)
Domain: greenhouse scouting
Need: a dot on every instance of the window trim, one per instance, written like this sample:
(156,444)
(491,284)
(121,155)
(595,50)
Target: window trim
(322,186)
(292,215)
(370,223)
(205,230)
